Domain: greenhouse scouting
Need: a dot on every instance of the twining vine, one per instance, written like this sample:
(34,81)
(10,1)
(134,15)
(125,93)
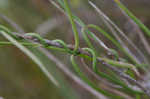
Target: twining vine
(33,39)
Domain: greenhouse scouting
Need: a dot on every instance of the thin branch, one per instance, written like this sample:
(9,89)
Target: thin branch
(112,26)
(72,76)
(12,23)
(84,54)
(126,77)
(58,63)
(96,76)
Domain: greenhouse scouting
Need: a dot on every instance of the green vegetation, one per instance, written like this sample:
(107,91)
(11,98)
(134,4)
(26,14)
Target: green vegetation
(118,73)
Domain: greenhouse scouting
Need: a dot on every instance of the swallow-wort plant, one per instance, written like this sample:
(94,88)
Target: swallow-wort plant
(120,72)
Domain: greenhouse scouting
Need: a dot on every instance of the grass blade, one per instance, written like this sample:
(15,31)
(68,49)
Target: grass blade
(31,55)
(91,84)
(137,21)
(115,30)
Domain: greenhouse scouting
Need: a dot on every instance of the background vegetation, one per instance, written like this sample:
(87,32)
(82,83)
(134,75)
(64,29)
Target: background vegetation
(20,77)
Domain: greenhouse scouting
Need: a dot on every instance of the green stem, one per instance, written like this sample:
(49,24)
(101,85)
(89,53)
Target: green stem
(2,28)
(91,84)
(23,43)
(64,45)
(117,44)
(109,61)
(85,30)
(94,59)
(136,20)
(101,74)
(74,28)
(65,49)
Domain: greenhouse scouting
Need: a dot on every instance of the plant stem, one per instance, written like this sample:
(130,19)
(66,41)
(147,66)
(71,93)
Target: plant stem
(74,28)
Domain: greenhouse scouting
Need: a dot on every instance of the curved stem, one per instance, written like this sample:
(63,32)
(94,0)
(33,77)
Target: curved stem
(48,44)
(64,45)
(74,28)
(94,60)
(2,28)
(114,42)
(91,84)
(84,31)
